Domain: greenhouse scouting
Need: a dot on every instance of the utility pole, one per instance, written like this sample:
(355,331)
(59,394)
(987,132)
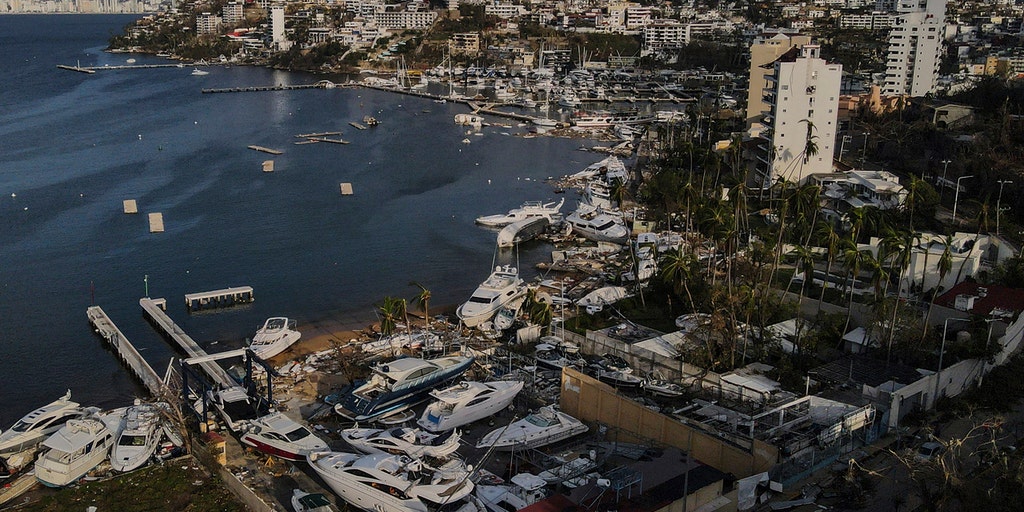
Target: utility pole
(999,200)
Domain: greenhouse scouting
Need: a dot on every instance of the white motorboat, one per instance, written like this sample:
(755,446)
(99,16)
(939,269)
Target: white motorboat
(398,384)
(540,428)
(505,317)
(610,167)
(199,72)
(395,483)
(527,210)
(78,447)
(525,490)
(620,378)
(597,225)
(606,118)
(236,407)
(410,441)
(569,99)
(39,424)
(396,342)
(602,297)
(139,438)
(311,502)
(276,335)
(467,402)
(663,388)
(278,435)
(522,231)
(500,288)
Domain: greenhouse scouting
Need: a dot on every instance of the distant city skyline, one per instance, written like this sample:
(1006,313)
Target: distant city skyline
(82,6)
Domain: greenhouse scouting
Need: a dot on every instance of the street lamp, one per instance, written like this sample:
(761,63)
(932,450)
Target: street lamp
(942,350)
(957,196)
(864,153)
(945,165)
(999,199)
(842,145)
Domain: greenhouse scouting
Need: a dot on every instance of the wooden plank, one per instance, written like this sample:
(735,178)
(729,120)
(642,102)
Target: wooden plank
(130,206)
(156,222)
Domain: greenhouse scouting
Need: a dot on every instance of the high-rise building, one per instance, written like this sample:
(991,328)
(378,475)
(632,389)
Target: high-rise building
(232,13)
(915,48)
(802,92)
(764,51)
(277,35)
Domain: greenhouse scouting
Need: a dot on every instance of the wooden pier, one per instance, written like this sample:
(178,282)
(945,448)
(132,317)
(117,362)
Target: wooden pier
(125,350)
(176,334)
(76,68)
(266,150)
(219,298)
(323,84)
(332,141)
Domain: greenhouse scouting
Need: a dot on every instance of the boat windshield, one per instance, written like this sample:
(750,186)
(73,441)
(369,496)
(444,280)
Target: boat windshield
(21,426)
(297,434)
(606,225)
(541,421)
(481,300)
(132,440)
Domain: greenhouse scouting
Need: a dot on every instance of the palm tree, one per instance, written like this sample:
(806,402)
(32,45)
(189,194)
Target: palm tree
(805,264)
(422,300)
(827,233)
(390,311)
(677,269)
(540,312)
(854,260)
(944,265)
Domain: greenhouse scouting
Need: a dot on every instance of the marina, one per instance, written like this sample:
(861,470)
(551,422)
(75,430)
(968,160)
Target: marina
(171,330)
(127,352)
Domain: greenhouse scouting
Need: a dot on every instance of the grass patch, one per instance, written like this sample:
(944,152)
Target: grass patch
(180,485)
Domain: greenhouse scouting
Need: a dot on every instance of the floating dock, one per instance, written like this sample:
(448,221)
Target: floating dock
(130,206)
(317,134)
(176,334)
(332,141)
(358,126)
(76,68)
(125,350)
(156,223)
(219,298)
(346,189)
(268,166)
(266,150)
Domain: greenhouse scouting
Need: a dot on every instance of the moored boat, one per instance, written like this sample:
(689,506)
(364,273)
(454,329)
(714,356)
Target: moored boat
(138,439)
(398,384)
(39,424)
(467,402)
(540,428)
(278,435)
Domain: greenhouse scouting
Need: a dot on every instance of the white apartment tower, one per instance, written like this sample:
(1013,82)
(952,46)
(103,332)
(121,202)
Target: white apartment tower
(802,92)
(277,35)
(763,52)
(915,48)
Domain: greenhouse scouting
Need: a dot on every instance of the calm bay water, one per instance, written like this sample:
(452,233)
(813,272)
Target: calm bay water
(74,146)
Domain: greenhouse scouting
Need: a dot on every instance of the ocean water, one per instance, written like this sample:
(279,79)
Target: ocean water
(74,146)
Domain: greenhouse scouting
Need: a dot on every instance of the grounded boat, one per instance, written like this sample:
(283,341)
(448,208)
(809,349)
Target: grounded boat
(139,438)
(620,378)
(276,335)
(410,441)
(597,225)
(396,385)
(525,490)
(611,167)
(78,447)
(236,407)
(605,118)
(568,470)
(278,435)
(662,388)
(395,483)
(311,502)
(500,288)
(505,317)
(39,424)
(601,297)
(522,231)
(527,210)
(540,428)
(550,356)
(467,402)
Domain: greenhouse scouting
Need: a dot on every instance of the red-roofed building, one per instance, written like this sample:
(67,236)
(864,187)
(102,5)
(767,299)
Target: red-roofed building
(984,300)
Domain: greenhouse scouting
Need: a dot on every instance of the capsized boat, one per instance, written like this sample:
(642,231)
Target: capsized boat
(530,209)
(540,428)
(139,437)
(524,490)
(395,483)
(597,225)
(276,335)
(467,402)
(410,441)
(39,424)
(278,435)
(398,384)
(603,296)
(78,447)
(522,231)
(502,287)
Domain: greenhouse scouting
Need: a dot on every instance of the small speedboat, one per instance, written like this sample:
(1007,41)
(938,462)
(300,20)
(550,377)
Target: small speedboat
(139,437)
(311,502)
(467,402)
(39,424)
(199,72)
(620,378)
(541,428)
(278,435)
(276,335)
(662,388)
(410,441)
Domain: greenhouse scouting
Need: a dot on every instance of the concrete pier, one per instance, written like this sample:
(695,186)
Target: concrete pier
(176,334)
(219,298)
(125,350)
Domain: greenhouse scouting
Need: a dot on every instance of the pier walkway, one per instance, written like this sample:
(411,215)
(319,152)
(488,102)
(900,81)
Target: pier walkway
(129,355)
(217,374)
(224,297)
